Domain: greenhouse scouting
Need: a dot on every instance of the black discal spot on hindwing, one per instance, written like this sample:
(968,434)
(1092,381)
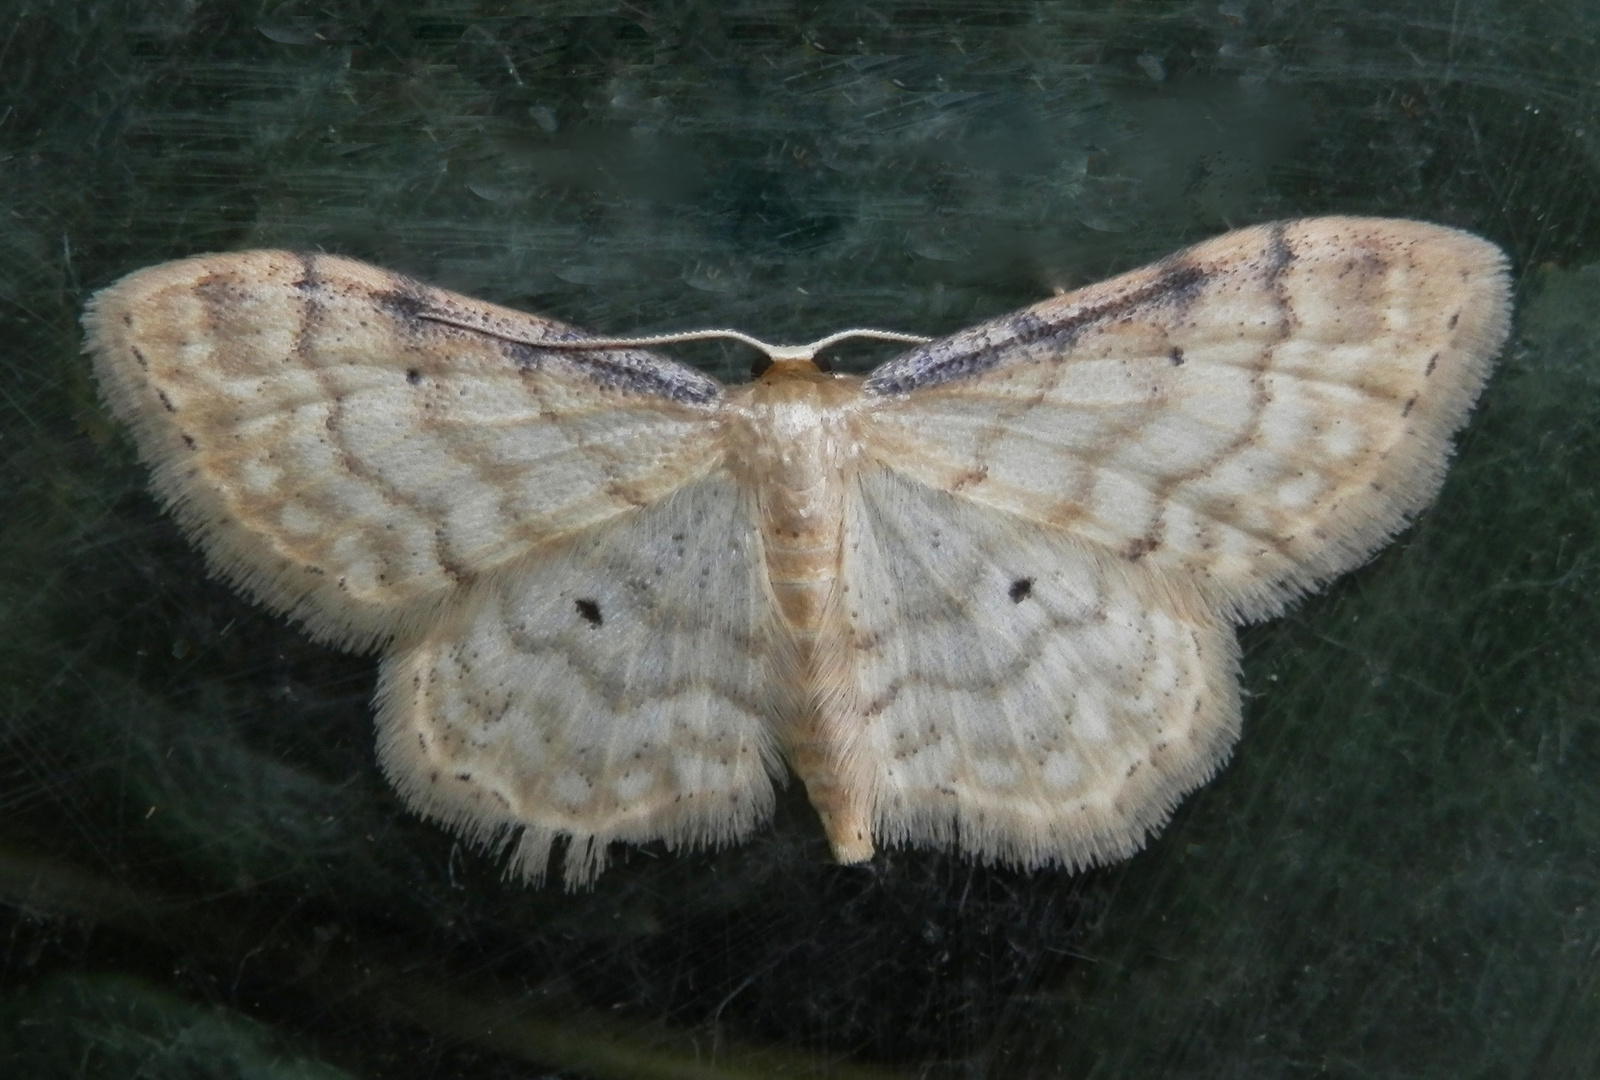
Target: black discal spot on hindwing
(589,611)
(1020,590)
(1175,357)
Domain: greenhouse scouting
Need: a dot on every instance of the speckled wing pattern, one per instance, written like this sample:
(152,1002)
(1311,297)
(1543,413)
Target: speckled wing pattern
(351,446)
(1129,469)
(1257,413)
(382,460)
(617,686)
(1017,695)
(981,599)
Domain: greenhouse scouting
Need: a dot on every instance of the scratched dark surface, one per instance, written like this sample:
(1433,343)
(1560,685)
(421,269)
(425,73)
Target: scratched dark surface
(202,872)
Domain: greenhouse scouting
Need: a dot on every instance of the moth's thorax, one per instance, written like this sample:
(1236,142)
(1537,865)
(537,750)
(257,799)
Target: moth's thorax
(792,441)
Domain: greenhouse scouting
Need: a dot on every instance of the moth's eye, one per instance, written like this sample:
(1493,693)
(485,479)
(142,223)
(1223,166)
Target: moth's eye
(824,365)
(759,366)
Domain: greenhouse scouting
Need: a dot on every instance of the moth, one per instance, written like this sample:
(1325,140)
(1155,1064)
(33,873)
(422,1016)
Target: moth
(982,598)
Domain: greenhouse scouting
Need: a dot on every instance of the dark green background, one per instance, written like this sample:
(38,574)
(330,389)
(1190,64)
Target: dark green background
(204,873)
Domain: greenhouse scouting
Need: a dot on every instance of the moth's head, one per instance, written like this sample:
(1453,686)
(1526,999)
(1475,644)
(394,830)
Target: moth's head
(776,368)
(802,363)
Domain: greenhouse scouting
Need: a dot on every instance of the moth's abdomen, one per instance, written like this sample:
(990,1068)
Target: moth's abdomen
(802,571)
(795,447)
